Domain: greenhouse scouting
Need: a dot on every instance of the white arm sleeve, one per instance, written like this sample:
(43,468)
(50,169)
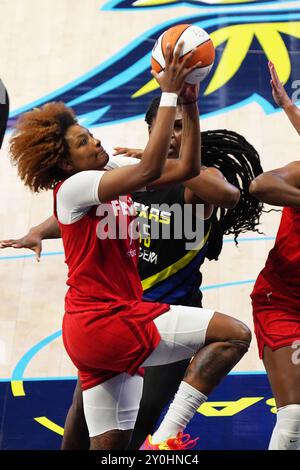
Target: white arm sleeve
(117,161)
(77,195)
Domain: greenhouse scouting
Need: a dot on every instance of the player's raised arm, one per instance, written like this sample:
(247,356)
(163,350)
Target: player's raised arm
(125,180)
(282,99)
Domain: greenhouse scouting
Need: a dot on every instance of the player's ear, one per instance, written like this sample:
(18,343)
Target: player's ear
(65,164)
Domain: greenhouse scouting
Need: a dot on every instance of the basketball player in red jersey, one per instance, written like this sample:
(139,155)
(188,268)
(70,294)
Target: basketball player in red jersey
(276,294)
(108,331)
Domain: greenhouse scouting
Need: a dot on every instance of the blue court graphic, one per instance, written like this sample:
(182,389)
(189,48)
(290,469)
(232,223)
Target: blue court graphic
(240,414)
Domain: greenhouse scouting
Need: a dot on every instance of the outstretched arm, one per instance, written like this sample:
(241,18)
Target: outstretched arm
(282,99)
(279,187)
(33,239)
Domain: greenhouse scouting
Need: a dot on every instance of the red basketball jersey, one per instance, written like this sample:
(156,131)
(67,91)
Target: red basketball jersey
(107,328)
(283,264)
(103,271)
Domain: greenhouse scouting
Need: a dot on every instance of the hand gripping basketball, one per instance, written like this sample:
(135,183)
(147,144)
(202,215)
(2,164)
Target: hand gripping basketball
(172,78)
(193,37)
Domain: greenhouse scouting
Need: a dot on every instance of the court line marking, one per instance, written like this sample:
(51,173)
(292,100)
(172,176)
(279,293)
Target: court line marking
(57,253)
(47,423)
(74,377)
(228,284)
(17,386)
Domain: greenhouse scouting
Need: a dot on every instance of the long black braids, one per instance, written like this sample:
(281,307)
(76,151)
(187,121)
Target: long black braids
(239,162)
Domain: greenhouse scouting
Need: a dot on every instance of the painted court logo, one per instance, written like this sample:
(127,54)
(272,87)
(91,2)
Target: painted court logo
(141,4)
(121,88)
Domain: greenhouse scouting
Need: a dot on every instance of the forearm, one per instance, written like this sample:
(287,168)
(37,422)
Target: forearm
(293,113)
(272,189)
(155,153)
(126,180)
(190,150)
(47,229)
(189,162)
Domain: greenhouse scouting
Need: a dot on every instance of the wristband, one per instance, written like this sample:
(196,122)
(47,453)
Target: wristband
(168,99)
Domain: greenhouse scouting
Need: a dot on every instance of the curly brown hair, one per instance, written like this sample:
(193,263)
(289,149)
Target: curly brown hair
(38,145)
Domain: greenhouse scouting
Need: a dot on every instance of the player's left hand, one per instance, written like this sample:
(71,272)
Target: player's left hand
(128,152)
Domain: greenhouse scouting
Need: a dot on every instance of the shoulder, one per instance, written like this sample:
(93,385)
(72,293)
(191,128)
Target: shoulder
(77,194)
(82,177)
(118,161)
(81,189)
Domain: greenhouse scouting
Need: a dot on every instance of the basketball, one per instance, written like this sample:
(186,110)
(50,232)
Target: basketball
(193,37)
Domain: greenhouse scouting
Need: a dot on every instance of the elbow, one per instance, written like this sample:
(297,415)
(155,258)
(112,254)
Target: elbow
(194,171)
(234,198)
(151,174)
(231,198)
(257,189)
(190,171)
(190,174)
(194,168)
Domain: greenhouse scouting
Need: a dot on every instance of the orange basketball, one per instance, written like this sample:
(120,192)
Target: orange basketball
(193,38)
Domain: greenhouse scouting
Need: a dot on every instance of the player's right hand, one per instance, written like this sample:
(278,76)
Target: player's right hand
(280,96)
(32,240)
(172,78)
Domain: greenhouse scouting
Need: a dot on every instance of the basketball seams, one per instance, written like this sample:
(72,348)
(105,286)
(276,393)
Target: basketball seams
(159,60)
(201,44)
(161,52)
(178,39)
(192,41)
(158,65)
(169,36)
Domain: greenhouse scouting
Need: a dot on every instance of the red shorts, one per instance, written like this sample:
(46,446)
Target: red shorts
(276,315)
(104,344)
